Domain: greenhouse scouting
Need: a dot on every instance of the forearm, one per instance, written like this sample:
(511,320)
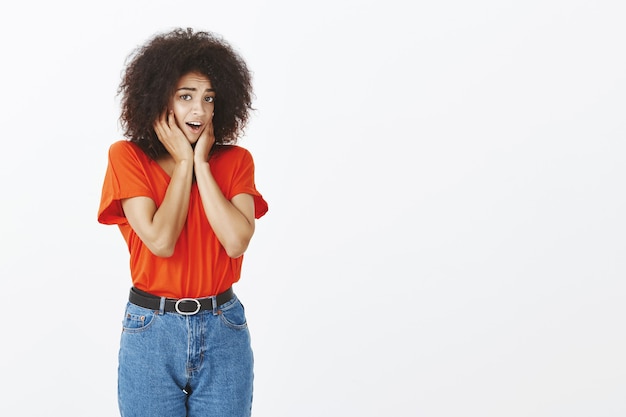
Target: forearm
(169,219)
(159,227)
(233,228)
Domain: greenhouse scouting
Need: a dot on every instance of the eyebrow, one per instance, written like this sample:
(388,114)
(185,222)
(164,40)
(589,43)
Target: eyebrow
(208,90)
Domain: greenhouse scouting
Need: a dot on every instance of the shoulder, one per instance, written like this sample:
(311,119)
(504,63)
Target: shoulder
(231,153)
(120,145)
(124,149)
(231,150)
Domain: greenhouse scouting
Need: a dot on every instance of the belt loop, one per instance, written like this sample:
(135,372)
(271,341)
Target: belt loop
(162,306)
(214,304)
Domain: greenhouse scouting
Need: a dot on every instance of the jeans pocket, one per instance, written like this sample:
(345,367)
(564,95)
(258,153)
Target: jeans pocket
(137,319)
(233,315)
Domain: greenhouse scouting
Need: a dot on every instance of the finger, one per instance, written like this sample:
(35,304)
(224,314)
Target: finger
(206,137)
(209,129)
(172,125)
(161,122)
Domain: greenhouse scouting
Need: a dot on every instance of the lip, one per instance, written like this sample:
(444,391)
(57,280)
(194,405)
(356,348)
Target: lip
(195,128)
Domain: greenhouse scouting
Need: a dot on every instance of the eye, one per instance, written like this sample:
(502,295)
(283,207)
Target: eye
(185,97)
(209,99)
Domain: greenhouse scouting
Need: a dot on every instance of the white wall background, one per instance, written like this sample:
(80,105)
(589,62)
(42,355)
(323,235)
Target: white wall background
(446,233)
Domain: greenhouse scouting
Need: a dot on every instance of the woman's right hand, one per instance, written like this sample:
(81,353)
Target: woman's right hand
(172,137)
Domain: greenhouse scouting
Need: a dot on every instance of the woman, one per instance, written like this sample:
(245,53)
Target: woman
(184,197)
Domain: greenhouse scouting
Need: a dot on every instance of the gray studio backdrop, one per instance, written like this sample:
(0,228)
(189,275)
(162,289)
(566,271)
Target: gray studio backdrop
(446,188)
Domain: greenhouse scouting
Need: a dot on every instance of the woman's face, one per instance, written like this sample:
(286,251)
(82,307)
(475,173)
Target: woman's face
(193,104)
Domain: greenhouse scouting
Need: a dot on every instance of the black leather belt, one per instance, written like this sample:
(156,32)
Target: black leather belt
(185,306)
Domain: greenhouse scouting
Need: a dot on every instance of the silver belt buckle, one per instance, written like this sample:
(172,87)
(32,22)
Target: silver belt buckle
(187,313)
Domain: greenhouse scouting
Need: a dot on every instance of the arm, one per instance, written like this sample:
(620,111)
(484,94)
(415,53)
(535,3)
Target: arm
(232,221)
(159,228)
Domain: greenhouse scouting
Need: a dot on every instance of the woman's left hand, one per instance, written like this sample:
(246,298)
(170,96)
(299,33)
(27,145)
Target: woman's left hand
(204,144)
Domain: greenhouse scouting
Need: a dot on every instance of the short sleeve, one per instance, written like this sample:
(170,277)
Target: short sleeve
(125,177)
(243,183)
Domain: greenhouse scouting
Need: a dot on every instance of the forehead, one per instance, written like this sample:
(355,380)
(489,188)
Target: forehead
(195,80)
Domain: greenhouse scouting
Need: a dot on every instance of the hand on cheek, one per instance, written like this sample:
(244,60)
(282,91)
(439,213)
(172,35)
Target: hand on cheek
(205,143)
(172,137)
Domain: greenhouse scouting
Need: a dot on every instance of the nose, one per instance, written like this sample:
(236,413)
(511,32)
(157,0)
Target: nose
(198,108)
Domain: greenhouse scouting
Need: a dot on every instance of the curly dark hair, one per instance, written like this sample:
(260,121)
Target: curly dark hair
(153,70)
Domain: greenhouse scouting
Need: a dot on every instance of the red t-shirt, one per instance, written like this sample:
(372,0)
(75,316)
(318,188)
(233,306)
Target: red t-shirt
(200,266)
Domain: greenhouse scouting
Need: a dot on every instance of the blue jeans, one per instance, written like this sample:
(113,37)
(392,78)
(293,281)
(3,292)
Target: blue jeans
(172,365)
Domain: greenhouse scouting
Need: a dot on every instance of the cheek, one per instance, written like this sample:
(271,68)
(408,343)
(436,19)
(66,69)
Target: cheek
(179,112)
(171,104)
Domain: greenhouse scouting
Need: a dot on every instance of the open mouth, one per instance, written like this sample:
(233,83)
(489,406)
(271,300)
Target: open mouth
(195,126)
